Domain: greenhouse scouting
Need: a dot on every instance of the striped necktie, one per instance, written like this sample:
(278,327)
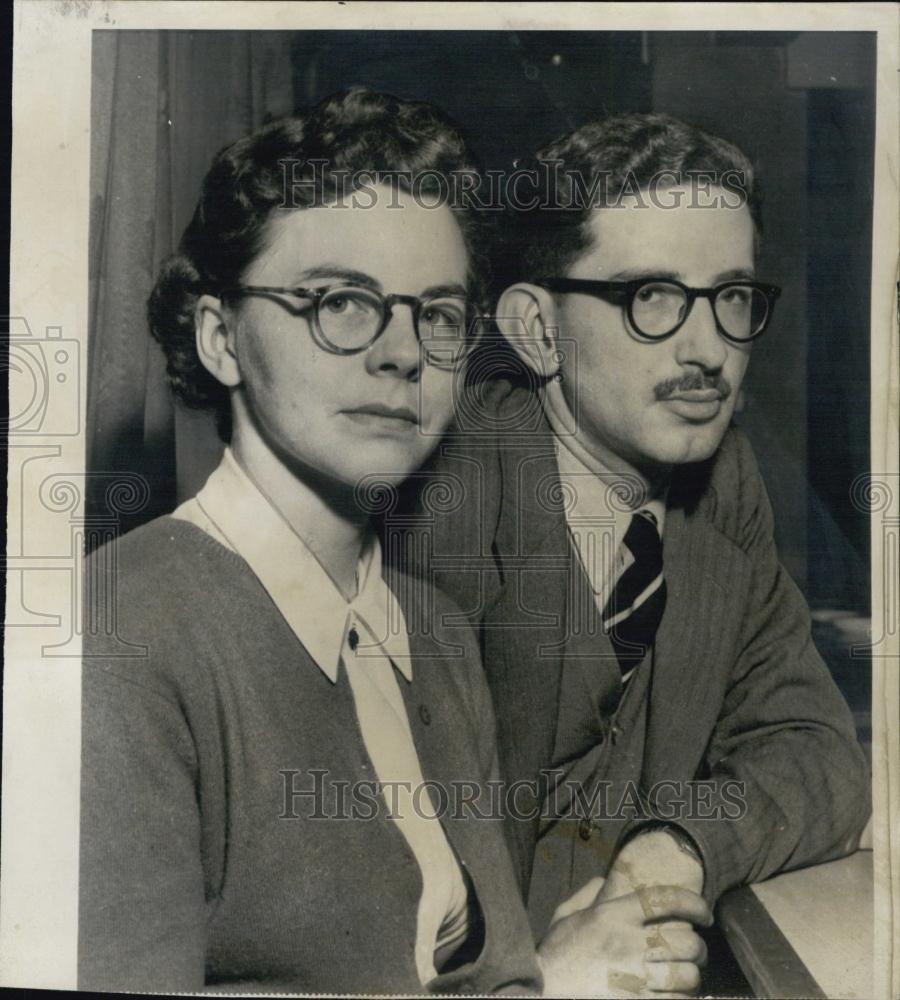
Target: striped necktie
(633,612)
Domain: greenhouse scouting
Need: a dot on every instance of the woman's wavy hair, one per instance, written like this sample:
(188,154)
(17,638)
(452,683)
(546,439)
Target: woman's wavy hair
(294,163)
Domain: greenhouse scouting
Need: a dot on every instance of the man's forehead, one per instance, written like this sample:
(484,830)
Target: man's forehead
(669,234)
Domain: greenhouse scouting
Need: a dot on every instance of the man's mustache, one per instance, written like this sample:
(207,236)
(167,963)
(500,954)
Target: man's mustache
(691,381)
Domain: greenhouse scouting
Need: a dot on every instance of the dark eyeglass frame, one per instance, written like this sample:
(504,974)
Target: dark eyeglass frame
(315,296)
(623,293)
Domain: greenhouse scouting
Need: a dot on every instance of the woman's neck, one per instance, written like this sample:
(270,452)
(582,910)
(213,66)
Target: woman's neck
(320,512)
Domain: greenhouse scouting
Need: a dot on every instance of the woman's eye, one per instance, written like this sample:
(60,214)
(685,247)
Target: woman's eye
(442,316)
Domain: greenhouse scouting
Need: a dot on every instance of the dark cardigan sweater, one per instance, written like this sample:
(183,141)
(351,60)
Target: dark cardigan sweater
(198,867)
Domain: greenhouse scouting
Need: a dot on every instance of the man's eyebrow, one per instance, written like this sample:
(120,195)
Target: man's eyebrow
(636,273)
(347,274)
(736,274)
(639,274)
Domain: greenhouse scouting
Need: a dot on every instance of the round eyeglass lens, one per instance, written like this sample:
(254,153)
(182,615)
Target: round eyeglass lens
(657,308)
(350,318)
(741,310)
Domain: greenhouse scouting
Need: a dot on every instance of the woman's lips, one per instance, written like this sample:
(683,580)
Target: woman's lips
(395,420)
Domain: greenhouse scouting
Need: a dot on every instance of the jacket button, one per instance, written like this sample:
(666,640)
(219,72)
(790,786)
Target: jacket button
(584,829)
(614,735)
(425,715)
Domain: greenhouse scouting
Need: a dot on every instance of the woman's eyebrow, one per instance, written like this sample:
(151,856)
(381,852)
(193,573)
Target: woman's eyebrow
(439,291)
(353,277)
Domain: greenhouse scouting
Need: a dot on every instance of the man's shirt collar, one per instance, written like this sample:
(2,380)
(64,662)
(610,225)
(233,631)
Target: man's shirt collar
(592,493)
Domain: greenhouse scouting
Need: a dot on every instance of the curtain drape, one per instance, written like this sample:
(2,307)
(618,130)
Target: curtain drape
(163,103)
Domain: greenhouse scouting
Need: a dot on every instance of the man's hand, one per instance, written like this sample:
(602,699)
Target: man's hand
(637,945)
(650,859)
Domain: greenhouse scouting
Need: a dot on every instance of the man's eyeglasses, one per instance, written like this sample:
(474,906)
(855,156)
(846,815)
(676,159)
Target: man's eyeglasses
(347,319)
(658,307)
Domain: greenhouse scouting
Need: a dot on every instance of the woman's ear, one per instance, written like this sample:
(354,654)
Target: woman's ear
(526,315)
(215,341)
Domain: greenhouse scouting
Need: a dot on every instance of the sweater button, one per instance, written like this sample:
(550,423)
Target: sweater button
(584,829)
(353,638)
(425,715)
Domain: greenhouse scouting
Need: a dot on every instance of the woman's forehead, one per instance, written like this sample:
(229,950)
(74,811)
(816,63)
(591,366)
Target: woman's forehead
(384,233)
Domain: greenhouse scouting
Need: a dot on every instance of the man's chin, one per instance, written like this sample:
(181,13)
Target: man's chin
(691,444)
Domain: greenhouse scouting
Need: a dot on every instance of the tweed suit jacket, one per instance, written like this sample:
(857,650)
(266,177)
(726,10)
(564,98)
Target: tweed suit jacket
(734,696)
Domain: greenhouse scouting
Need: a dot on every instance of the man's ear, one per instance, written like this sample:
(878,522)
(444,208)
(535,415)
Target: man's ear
(215,341)
(526,315)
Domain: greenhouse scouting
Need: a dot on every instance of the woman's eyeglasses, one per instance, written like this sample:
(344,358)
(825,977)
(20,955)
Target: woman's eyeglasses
(347,319)
(658,307)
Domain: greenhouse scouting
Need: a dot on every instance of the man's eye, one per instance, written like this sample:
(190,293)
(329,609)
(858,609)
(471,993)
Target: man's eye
(650,294)
(736,296)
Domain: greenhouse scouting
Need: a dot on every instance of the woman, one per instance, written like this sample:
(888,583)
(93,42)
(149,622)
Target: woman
(236,828)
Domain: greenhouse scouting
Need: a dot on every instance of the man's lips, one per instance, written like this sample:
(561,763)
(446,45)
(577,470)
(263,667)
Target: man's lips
(697,395)
(696,406)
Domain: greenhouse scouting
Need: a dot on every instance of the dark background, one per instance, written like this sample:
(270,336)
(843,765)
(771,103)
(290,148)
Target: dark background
(800,104)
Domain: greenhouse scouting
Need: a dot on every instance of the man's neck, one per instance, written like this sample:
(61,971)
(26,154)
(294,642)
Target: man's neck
(635,480)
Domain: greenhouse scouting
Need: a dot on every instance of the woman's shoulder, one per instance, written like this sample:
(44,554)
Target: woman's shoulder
(166,548)
(159,583)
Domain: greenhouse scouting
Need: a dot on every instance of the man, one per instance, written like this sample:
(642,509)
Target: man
(663,715)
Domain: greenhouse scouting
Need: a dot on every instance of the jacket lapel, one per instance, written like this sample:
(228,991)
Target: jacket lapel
(705,576)
(524,636)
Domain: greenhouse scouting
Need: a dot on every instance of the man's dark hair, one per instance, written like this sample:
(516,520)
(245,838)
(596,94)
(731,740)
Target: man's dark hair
(294,163)
(604,160)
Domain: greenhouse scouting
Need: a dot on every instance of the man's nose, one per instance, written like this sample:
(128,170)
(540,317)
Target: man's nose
(699,342)
(396,352)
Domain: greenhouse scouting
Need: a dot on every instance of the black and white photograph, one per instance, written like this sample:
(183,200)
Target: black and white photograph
(453,500)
